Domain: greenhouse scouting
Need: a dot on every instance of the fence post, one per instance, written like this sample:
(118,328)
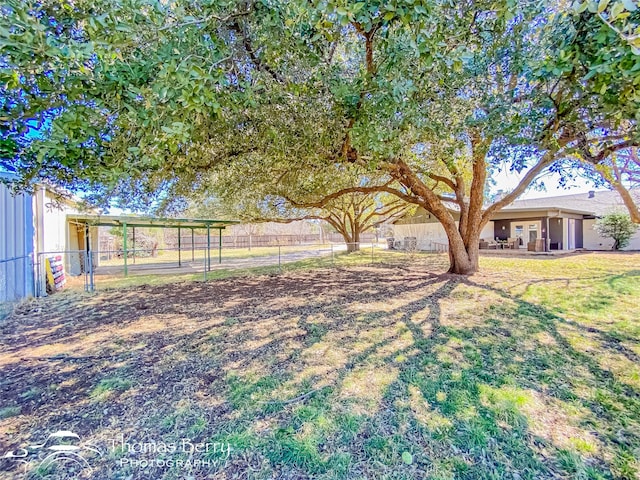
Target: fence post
(37,286)
(205,266)
(332,259)
(208,247)
(279,260)
(179,248)
(124,246)
(32,266)
(372,254)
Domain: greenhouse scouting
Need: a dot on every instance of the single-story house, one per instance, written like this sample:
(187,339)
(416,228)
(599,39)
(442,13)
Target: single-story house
(564,222)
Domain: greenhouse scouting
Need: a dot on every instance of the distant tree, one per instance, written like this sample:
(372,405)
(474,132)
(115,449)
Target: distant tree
(353,214)
(250,230)
(269,191)
(617,226)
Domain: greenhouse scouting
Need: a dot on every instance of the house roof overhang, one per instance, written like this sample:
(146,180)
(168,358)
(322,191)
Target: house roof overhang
(543,210)
(511,211)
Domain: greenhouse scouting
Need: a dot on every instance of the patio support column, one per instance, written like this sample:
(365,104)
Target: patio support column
(124,247)
(547,236)
(208,247)
(179,245)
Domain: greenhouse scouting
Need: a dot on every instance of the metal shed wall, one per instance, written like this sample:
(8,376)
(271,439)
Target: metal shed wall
(16,244)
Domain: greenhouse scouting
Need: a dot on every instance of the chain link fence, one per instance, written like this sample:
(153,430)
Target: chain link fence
(94,270)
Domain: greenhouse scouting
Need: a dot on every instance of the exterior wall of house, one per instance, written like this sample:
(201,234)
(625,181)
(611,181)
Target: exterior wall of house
(501,230)
(488,231)
(425,233)
(429,233)
(593,241)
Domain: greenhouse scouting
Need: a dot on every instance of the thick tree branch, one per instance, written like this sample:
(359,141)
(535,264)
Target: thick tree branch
(605,152)
(546,160)
(347,151)
(207,19)
(255,59)
(445,180)
(287,220)
(395,207)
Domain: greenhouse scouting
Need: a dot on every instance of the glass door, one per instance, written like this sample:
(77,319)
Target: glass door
(518,233)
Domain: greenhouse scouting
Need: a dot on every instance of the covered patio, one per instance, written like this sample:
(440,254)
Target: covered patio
(539,230)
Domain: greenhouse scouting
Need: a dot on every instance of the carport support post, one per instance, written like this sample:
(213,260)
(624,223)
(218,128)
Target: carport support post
(134,245)
(193,254)
(124,247)
(219,245)
(208,247)
(179,245)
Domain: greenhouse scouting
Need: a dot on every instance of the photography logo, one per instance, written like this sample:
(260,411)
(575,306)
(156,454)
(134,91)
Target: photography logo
(62,452)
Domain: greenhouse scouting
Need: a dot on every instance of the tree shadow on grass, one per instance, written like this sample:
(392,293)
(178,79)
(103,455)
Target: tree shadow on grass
(331,376)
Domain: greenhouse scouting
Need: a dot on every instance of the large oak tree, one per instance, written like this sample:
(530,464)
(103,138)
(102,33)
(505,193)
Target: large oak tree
(144,99)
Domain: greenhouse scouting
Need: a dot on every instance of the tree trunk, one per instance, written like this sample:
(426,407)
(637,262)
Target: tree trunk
(352,241)
(463,261)
(463,256)
(356,238)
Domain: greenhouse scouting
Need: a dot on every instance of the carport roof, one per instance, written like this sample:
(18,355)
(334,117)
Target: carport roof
(139,221)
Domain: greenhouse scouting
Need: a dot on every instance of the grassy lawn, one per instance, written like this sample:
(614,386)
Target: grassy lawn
(527,370)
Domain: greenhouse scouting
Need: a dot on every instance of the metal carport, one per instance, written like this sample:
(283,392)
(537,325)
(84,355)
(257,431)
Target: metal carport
(126,221)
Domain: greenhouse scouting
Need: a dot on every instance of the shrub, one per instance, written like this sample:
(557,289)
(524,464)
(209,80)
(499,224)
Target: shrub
(617,226)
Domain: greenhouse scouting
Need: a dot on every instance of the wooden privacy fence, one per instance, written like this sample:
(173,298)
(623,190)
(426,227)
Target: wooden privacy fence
(244,241)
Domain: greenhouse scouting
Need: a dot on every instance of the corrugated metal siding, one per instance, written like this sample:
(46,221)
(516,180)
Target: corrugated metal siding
(16,244)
